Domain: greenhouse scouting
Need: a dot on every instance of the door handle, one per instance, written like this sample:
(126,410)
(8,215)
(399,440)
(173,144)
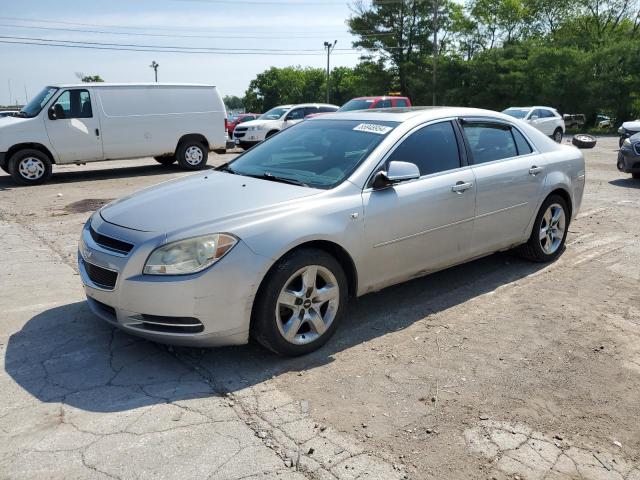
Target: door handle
(461,187)
(97,132)
(534,170)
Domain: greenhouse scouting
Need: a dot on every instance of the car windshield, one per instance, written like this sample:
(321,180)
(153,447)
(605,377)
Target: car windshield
(517,112)
(274,113)
(356,104)
(317,153)
(36,104)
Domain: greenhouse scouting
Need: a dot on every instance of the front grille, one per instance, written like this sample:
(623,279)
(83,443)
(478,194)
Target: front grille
(241,129)
(101,276)
(238,135)
(104,307)
(110,243)
(157,323)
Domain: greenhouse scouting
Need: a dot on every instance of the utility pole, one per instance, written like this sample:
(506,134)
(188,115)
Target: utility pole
(155,66)
(329,47)
(26,96)
(434,80)
(10,92)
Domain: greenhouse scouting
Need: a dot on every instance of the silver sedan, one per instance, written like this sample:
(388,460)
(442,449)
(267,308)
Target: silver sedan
(274,243)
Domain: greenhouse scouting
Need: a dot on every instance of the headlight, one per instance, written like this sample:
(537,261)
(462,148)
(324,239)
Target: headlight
(191,255)
(621,130)
(626,143)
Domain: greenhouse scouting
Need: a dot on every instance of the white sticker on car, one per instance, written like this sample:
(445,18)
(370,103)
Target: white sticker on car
(373,128)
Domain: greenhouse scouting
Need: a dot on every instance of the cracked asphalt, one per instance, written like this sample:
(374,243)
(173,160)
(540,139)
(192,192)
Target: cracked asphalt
(498,369)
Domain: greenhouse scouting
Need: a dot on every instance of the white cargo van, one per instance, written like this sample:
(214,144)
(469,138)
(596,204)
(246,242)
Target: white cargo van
(101,121)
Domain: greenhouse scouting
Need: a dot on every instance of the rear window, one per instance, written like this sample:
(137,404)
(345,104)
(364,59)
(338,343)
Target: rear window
(356,104)
(517,112)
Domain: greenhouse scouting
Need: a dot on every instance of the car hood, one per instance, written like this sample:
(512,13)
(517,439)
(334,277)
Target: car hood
(258,123)
(204,198)
(633,126)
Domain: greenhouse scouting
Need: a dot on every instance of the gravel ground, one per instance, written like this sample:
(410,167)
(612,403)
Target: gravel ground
(495,369)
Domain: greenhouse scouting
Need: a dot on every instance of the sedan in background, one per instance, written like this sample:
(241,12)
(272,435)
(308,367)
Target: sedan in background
(629,156)
(627,130)
(274,243)
(238,119)
(545,119)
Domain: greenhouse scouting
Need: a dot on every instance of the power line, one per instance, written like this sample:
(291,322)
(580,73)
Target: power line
(176,35)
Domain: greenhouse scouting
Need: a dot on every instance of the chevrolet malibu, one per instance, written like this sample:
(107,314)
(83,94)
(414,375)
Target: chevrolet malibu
(273,244)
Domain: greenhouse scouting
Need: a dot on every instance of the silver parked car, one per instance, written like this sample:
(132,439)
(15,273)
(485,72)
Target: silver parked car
(274,243)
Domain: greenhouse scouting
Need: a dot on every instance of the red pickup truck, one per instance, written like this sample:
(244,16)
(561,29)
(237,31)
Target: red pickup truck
(241,118)
(365,103)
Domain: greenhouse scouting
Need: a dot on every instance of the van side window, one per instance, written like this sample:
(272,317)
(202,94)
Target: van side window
(433,149)
(521,143)
(73,104)
(489,142)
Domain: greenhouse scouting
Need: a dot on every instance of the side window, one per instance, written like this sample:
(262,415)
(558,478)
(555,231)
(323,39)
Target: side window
(547,114)
(521,143)
(310,110)
(433,149)
(383,104)
(489,142)
(327,109)
(401,102)
(73,104)
(296,114)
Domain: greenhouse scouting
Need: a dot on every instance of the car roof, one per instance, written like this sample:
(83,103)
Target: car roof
(143,84)
(531,107)
(407,113)
(378,97)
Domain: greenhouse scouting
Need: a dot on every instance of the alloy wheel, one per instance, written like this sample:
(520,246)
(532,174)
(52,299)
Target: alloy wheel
(552,228)
(193,156)
(307,304)
(31,168)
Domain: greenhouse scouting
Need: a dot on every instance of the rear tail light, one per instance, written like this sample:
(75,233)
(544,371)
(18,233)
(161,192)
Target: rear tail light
(226,124)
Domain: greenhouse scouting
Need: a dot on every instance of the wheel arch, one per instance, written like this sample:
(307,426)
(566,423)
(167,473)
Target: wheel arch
(189,137)
(29,145)
(271,133)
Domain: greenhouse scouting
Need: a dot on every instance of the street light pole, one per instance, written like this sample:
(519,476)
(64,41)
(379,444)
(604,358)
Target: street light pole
(329,47)
(155,66)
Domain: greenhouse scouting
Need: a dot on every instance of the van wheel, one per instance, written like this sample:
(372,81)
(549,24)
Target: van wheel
(165,160)
(300,303)
(192,155)
(30,167)
(549,231)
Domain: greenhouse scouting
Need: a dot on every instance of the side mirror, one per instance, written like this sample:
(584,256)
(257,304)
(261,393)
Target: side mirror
(396,172)
(52,113)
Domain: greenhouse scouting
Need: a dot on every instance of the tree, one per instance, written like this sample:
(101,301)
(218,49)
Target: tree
(91,79)
(233,102)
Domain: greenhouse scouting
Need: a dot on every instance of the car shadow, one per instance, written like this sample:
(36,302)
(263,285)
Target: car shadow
(65,354)
(85,175)
(626,182)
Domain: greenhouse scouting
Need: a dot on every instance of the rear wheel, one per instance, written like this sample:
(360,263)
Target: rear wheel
(192,155)
(549,231)
(165,160)
(300,303)
(30,167)
(557,135)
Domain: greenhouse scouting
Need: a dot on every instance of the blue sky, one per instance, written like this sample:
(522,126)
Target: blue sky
(298,26)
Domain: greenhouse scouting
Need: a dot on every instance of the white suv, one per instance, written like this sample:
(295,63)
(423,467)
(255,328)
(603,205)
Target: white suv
(247,134)
(545,119)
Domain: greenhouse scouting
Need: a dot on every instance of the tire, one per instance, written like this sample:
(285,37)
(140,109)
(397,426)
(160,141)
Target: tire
(282,298)
(270,134)
(165,160)
(192,155)
(636,175)
(582,140)
(246,146)
(557,135)
(547,248)
(30,167)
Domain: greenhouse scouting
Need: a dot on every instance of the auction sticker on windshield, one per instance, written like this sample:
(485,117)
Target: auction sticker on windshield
(373,128)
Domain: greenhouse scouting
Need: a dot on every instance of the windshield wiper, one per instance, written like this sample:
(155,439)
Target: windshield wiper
(275,178)
(226,168)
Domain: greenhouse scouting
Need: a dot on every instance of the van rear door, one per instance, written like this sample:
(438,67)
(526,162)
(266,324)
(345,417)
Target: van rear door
(73,127)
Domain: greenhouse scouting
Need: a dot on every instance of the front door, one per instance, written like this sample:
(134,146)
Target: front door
(74,130)
(509,180)
(425,224)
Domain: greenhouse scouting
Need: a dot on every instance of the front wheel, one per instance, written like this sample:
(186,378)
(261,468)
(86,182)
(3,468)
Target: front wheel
(300,303)
(549,231)
(192,155)
(165,160)
(30,167)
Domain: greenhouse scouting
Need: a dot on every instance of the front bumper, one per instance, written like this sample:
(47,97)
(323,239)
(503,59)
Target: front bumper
(209,308)
(628,160)
(248,137)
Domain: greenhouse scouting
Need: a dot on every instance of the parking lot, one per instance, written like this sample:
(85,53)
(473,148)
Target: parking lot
(499,368)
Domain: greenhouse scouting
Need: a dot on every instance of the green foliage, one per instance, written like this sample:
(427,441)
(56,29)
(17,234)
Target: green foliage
(91,79)
(232,102)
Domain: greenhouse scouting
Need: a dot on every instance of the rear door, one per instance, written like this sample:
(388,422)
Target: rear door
(423,224)
(509,181)
(75,132)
